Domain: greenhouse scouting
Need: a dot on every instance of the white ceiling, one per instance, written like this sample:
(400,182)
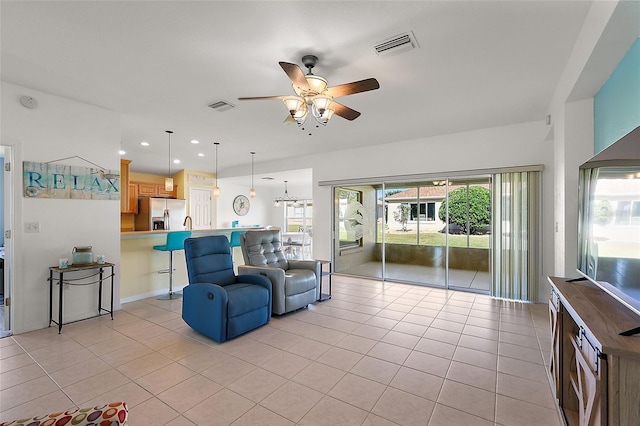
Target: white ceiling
(160,63)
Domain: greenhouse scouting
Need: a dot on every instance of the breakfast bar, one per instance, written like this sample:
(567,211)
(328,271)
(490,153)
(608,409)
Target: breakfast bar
(139,263)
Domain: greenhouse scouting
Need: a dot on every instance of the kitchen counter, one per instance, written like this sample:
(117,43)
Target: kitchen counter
(140,263)
(195,232)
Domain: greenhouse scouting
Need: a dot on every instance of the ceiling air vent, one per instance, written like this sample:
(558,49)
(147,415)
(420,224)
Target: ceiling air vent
(397,44)
(221,106)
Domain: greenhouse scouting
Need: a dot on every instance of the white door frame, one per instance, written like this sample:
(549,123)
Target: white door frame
(9,236)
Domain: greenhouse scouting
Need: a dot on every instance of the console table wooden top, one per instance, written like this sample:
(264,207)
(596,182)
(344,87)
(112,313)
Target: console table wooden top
(603,316)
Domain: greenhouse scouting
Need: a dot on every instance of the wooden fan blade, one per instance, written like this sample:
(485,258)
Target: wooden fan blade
(295,74)
(262,98)
(352,88)
(344,111)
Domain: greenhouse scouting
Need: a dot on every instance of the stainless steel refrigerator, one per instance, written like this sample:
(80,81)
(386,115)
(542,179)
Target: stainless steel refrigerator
(160,214)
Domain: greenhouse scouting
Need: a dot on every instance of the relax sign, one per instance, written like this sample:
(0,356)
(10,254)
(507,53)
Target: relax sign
(46,180)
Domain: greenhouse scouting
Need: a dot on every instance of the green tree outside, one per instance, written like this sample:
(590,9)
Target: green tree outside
(401,214)
(471,213)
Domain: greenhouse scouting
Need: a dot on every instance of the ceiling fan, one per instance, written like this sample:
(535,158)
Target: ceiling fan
(314,97)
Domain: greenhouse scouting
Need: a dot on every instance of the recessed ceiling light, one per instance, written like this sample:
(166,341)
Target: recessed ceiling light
(193,141)
(144,143)
(122,152)
(176,161)
(200,154)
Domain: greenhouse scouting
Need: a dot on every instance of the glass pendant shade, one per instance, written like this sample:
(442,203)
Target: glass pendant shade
(168,184)
(301,114)
(216,192)
(316,83)
(293,104)
(321,103)
(325,116)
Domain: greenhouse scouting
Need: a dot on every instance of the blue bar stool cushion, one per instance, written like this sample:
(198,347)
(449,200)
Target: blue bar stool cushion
(235,238)
(175,241)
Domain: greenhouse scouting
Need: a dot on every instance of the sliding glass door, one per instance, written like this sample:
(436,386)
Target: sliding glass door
(357,214)
(468,208)
(432,232)
(414,245)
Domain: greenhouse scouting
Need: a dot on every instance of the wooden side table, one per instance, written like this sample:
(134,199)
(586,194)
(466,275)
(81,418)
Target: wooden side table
(61,281)
(328,274)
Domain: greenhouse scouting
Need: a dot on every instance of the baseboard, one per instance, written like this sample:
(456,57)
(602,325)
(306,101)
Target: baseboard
(148,295)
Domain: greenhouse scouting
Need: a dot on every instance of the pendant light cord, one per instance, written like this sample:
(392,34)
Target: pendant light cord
(169,132)
(252,155)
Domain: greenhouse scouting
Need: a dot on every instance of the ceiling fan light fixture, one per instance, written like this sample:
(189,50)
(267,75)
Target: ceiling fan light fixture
(325,116)
(301,114)
(313,93)
(321,103)
(316,83)
(293,104)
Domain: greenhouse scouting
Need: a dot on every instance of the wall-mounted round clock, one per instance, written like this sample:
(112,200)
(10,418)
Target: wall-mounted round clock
(241,205)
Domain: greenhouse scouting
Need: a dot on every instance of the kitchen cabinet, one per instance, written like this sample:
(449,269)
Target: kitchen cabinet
(149,189)
(133,198)
(126,206)
(594,371)
(167,194)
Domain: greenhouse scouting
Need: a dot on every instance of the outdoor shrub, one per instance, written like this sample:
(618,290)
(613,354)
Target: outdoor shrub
(478,215)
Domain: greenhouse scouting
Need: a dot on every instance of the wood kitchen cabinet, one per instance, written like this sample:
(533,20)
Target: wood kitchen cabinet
(167,194)
(595,371)
(149,189)
(126,204)
(133,198)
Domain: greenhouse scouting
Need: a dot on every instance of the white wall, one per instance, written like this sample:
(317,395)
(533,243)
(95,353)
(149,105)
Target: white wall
(224,206)
(262,211)
(57,128)
(572,134)
(514,145)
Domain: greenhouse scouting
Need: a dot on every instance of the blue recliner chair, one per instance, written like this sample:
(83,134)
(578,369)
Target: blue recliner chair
(217,303)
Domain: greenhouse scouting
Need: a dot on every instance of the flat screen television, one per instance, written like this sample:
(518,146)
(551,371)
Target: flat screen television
(609,221)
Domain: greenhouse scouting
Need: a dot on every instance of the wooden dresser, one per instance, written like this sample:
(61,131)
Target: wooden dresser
(595,371)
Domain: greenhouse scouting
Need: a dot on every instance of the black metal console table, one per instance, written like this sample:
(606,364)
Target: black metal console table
(328,274)
(100,275)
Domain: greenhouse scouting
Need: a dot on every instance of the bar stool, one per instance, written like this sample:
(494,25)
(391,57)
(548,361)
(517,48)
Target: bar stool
(235,241)
(175,241)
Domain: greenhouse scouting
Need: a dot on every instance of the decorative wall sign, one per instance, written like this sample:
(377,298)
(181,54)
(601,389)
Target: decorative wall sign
(47,180)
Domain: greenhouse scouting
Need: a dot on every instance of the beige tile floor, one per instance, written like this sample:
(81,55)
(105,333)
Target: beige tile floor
(375,354)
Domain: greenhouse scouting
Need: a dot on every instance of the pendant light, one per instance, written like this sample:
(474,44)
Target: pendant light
(216,190)
(285,199)
(252,191)
(168,181)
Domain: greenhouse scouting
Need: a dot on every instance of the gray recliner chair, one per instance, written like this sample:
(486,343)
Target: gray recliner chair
(295,283)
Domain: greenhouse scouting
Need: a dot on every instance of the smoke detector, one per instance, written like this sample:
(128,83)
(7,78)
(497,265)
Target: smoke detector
(28,102)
